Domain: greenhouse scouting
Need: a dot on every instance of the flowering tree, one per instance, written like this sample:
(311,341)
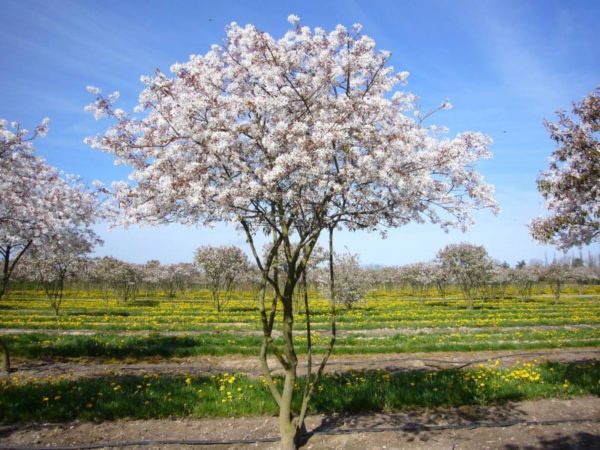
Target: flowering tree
(292,136)
(441,278)
(36,202)
(556,275)
(571,185)
(178,277)
(61,257)
(221,267)
(420,277)
(151,275)
(583,275)
(103,273)
(500,276)
(115,278)
(525,278)
(468,265)
(351,285)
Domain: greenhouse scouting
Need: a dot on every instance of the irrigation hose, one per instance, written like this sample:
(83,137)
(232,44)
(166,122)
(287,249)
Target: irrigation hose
(409,427)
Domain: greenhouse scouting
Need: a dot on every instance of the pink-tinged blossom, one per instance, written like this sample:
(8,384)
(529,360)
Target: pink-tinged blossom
(571,184)
(37,202)
(307,120)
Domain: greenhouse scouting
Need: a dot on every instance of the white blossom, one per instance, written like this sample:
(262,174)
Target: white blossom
(37,202)
(571,184)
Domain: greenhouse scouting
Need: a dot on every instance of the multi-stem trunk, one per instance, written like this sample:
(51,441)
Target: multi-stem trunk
(287,427)
(291,426)
(9,265)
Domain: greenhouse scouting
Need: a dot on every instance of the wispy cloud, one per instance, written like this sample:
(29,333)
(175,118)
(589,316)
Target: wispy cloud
(515,53)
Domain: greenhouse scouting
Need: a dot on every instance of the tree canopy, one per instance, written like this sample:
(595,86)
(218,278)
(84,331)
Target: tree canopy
(571,184)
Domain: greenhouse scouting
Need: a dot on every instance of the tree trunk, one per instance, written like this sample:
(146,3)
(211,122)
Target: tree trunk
(5,357)
(287,427)
(5,272)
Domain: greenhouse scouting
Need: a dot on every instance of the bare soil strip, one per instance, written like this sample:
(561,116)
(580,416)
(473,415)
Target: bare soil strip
(207,365)
(539,424)
(365,332)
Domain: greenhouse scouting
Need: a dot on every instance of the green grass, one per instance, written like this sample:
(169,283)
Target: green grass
(41,345)
(148,397)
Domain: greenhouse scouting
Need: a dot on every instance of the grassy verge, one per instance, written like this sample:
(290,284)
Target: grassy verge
(40,345)
(235,395)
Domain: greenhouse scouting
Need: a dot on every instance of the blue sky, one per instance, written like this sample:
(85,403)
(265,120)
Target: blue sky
(504,65)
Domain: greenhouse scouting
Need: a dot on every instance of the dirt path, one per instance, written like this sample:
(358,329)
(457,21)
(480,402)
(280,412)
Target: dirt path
(204,365)
(541,424)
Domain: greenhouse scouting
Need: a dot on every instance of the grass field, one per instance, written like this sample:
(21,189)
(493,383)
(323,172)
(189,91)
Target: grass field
(237,395)
(388,322)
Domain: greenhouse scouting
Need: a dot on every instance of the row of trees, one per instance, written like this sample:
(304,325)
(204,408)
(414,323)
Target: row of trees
(221,270)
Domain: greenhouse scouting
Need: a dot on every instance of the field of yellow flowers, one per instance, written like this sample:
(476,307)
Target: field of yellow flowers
(82,311)
(387,322)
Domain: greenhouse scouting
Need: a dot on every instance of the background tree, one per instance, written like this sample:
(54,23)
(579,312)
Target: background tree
(36,202)
(293,137)
(350,283)
(441,278)
(571,185)
(151,275)
(105,273)
(178,278)
(500,277)
(583,276)
(469,267)
(556,275)
(221,266)
(60,258)
(126,281)
(420,277)
(525,277)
